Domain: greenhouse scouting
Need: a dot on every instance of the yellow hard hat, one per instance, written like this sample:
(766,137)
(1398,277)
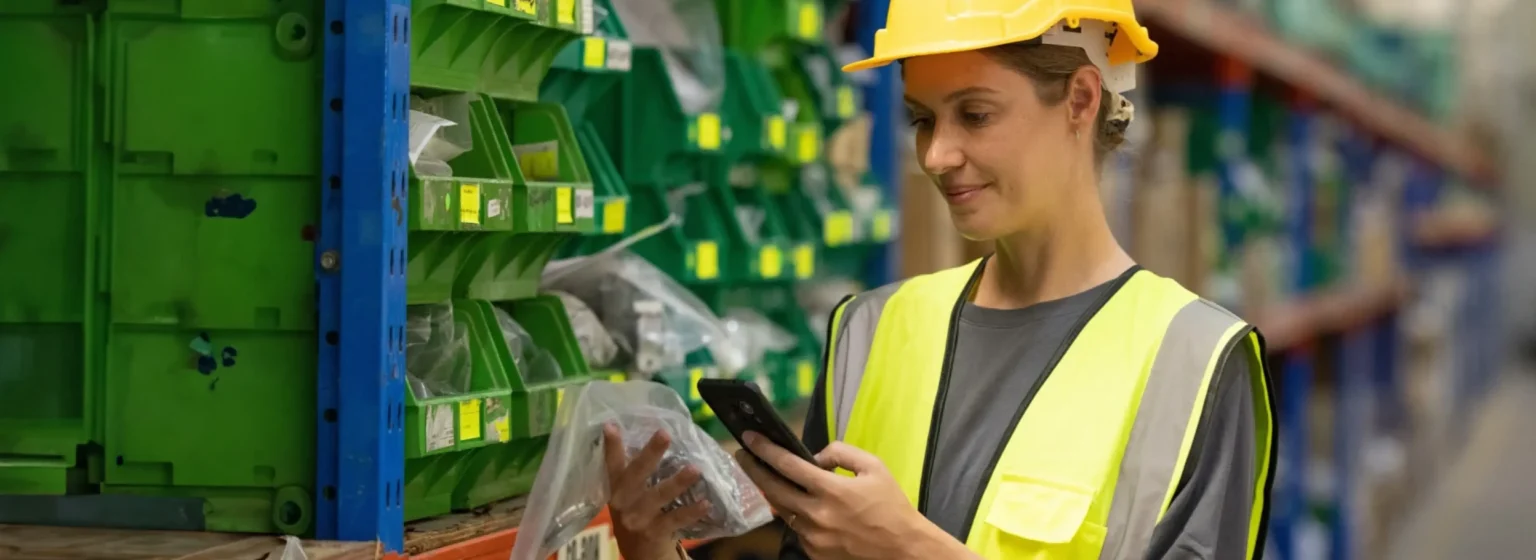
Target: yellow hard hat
(924,27)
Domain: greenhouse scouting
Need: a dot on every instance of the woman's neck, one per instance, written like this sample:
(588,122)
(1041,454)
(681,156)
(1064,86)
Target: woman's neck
(1073,251)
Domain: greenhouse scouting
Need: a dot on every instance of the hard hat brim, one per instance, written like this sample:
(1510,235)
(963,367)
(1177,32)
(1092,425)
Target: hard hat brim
(1145,47)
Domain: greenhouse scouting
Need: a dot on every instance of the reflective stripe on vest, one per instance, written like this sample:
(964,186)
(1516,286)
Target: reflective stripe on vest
(1091,466)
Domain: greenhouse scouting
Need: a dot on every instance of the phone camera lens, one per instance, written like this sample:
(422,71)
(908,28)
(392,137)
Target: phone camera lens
(746,409)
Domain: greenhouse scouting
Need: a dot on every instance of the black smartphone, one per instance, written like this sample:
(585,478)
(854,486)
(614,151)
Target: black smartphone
(743,408)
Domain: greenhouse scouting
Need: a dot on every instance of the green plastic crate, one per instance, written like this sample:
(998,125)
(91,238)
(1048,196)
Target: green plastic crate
(517,223)
(498,47)
(771,26)
(51,316)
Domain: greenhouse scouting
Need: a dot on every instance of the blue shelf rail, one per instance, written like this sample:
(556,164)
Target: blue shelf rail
(360,273)
(882,99)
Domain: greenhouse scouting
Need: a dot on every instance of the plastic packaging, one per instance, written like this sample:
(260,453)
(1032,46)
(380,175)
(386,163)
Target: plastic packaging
(649,313)
(440,131)
(756,334)
(437,354)
(534,363)
(597,344)
(687,32)
(572,484)
(293,549)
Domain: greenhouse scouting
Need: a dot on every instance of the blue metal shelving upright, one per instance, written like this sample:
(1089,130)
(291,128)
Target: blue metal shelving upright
(360,272)
(882,98)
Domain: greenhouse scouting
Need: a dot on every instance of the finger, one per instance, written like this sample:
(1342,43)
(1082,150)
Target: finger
(682,518)
(781,494)
(847,457)
(669,489)
(613,453)
(632,483)
(787,464)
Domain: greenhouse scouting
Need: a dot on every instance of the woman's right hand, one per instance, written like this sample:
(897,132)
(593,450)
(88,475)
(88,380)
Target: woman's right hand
(643,530)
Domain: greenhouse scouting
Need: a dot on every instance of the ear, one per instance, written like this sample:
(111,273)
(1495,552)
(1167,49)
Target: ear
(1084,92)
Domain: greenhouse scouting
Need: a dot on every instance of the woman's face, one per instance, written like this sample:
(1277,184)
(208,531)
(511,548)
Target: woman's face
(998,155)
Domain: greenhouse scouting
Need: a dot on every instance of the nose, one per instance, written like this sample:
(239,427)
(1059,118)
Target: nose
(941,151)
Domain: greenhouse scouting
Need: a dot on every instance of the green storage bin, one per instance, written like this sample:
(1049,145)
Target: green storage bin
(758,147)
(498,47)
(440,431)
(508,468)
(585,77)
(519,223)
(771,27)
(50,316)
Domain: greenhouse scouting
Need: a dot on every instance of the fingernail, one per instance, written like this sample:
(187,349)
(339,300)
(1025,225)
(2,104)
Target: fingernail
(750,438)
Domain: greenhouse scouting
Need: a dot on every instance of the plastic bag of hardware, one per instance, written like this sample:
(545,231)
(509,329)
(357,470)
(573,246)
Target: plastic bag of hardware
(534,363)
(757,335)
(658,321)
(572,484)
(597,344)
(687,34)
(437,357)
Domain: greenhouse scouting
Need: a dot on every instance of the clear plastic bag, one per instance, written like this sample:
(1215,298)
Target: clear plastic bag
(440,132)
(437,354)
(652,316)
(572,484)
(597,344)
(534,363)
(757,335)
(687,33)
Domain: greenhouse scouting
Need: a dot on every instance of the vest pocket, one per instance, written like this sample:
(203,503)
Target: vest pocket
(1042,518)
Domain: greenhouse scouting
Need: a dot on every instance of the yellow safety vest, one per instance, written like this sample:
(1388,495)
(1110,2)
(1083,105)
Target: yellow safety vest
(1092,464)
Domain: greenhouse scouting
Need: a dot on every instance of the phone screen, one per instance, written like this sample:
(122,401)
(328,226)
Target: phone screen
(742,408)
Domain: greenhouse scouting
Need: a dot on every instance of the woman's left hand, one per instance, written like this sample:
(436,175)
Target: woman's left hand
(864,516)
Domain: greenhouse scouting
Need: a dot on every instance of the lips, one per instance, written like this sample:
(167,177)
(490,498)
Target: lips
(961,193)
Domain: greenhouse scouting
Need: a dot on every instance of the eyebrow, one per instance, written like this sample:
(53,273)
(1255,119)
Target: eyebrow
(954,95)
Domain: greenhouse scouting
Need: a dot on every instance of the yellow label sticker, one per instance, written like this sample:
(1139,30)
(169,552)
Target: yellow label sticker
(881,228)
(837,229)
(503,428)
(805,261)
(469,419)
(706,411)
(617,378)
(565,12)
(846,106)
(694,375)
(529,7)
(539,166)
(708,264)
(502,3)
(563,212)
(469,204)
(770,261)
(810,145)
(778,135)
(709,131)
(810,20)
(805,373)
(559,398)
(594,52)
(615,212)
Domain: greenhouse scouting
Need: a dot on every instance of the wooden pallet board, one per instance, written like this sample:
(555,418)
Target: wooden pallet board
(28,542)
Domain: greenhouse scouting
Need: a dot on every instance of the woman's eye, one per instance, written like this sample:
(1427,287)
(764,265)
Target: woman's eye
(975,119)
(921,122)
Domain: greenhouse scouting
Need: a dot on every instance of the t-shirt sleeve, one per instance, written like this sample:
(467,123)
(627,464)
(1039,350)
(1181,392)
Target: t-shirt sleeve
(816,439)
(1209,515)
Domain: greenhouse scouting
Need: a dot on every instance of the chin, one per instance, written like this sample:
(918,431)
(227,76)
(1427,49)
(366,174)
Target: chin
(974,228)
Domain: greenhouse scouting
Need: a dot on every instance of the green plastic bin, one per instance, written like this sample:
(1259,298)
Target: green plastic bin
(501,48)
(51,316)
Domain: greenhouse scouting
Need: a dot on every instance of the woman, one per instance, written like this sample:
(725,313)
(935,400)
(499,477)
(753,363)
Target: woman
(1050,401)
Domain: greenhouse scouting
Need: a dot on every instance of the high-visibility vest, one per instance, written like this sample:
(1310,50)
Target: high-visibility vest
(1092,462)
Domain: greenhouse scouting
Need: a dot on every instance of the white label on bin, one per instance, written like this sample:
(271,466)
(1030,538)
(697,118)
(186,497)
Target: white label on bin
(588,23)
(493,208)
(619,54)
(439,427)
(590,544)
(586,204)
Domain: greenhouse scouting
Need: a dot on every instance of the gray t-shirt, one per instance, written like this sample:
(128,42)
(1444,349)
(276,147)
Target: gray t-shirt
(999,357)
